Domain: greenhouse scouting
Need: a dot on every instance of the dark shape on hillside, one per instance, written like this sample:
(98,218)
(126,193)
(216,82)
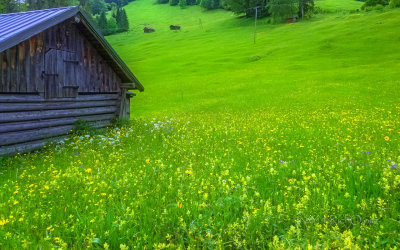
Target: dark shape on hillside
(148,30)
(291,20)
(175,27)
(56,69)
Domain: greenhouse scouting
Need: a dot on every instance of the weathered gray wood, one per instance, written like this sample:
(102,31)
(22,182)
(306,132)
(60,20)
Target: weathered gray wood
(32,145)
(12,138)
(32,135)
(49,114)
(26,125)
(28,146)
(38,98)
(9,107)
(1,73)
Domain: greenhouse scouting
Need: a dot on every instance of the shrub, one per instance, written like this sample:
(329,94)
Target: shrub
(394,3)
(82,127)
(370,3)
(209,4)
(182,4)
(120,122)
(173,2)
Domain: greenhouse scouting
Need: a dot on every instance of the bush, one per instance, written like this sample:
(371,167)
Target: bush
(394,3)
(209,4)
(182,4)
(162,1)
(173,2)
(82,127)
(120,122)
(370,3)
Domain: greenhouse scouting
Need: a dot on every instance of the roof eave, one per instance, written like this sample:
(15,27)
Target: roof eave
(22,36)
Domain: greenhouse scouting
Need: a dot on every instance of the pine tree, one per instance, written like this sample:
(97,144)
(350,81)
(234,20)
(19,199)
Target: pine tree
(124,21)
(102,22)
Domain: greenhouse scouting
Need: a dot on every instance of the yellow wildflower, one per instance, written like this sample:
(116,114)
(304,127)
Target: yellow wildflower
(3,222)
(179,204)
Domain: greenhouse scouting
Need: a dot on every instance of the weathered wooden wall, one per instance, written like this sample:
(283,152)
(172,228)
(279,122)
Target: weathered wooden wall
(54,60)
(29,121)
(49,82)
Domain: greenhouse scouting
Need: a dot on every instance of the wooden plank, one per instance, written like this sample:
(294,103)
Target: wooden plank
(49,114)
(8,78)
(21,74)
(21,126)
(32,135)
(32,145)
(49,105)
(13,62)
(33,85)
(59,83)
(1,72)
(27,68)
(38,98)
(28,146)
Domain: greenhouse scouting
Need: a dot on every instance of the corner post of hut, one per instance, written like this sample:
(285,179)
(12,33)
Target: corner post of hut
(125,105)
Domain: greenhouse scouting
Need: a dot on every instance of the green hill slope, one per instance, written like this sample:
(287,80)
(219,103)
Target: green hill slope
(212,64)
(338,5)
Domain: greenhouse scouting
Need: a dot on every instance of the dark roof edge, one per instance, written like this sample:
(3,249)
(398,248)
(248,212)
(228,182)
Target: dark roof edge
(15,40)
(111,52)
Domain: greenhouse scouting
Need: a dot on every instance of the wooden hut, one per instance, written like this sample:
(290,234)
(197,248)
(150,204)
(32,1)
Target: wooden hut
(56,68)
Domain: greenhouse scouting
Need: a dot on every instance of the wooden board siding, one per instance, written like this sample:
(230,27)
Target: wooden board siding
(29,121)
(59,57)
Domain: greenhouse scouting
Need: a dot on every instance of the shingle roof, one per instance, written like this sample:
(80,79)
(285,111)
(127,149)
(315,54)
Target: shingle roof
(18,27)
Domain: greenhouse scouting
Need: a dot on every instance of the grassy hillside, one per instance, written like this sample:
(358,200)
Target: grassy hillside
(328,60)
(338,5)
(290,142)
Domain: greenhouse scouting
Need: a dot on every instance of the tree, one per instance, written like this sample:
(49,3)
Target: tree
(85,5)
(102,22)
(182,4)
(281,9)
(247,6)
(394,3)
(112,26)
(305,6)
(122,20)
(209,4)
(173,2)
(98,6)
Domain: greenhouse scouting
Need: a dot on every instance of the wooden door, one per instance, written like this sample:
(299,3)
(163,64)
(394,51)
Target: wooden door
(51,74)
(60,67)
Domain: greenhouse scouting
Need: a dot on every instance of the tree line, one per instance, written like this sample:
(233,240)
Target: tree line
(277,9)
(115,23)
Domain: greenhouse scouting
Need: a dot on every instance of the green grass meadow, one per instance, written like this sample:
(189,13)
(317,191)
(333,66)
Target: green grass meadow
(291,142)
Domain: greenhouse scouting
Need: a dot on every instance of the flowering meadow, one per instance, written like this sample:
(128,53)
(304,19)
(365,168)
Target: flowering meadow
(264,179)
